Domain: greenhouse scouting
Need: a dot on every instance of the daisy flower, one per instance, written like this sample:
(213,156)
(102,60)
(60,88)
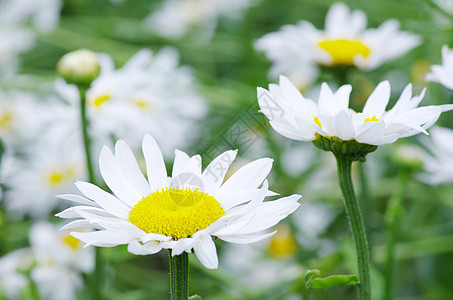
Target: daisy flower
(44,14)
(303,119)
(176,17)
(48,168)
(60,260)
(443,74)
(180,213)
(137,98)
(344,41)
(438,161)
(12,273)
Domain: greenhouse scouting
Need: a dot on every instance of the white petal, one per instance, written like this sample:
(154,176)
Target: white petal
(206,252)
(137,248)
(246,238)
(102,238)
(248,177)
(155,166)
(104,199)
(214,173)
(181,159)
(78,199)
(343,125)
(115,179)
(378,100)
(130,168)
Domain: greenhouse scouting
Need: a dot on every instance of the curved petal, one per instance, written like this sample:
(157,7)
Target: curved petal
(155,166)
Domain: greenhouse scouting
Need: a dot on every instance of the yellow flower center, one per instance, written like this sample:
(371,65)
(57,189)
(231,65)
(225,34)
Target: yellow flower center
(283,243)
(344,51)
(5,119)
(318,122)
(100,100)
(71,241)
(57,177)
(175,212)
(142,104)
(373,118)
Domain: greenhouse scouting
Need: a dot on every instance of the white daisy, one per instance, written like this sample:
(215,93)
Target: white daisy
(12,273)
(21,117)
(180,212)
(33,180)
(344,41)
(44,14)
(438,162)
(176,17)
(443,73)
(303,119)
(148,94)
(60,259)
(14,40)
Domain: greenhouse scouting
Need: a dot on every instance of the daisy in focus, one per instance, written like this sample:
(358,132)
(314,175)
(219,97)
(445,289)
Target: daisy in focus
(443,73)
(180,213)
(303,119)
(344,41)
(438,161)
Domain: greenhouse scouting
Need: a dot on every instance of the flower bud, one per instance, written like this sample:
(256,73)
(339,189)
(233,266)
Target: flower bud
(80,67)
(408,156)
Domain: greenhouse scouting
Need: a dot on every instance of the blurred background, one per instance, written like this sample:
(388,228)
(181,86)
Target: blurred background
(198,94)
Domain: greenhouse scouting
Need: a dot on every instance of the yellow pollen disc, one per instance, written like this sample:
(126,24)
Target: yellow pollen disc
(5,119)
(58,177)
(318,122)
(71,241)
(100,100)
(178,213)
(371,119)
(142,104)
(344,51)
(282,244)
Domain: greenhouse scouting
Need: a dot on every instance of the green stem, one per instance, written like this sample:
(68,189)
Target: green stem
(393,216)
(179,276)
(86,137)
(344,164)
(96,276)
(365,198)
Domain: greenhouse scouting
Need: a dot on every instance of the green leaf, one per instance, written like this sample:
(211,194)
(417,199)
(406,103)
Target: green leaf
(312,282)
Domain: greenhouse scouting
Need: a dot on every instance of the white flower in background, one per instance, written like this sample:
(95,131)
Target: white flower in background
(21,117)
(60,259)
(438,162)
(344,41)
(34,180)
(12,273)
(176,17)
(44,14)
(299,118)
(148,94)
(13,41)
(181,212)
(443,73)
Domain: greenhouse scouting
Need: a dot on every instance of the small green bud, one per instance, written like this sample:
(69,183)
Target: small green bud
(357,150)
(80,67)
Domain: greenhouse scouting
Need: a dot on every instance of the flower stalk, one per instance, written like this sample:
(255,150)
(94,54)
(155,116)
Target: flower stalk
(179,276)
(96,277)
(344,164)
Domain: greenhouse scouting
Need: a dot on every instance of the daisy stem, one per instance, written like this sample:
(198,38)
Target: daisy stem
(179,276)
(344,164)
(86,137)
(96,277)
(393,217)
